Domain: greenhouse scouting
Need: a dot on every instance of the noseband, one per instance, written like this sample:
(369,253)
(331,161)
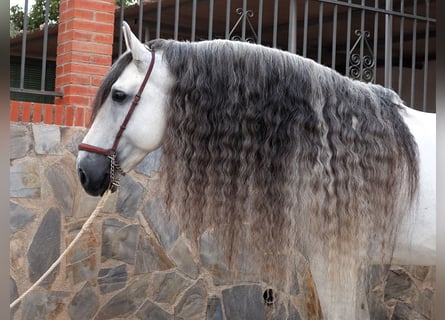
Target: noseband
(111,153)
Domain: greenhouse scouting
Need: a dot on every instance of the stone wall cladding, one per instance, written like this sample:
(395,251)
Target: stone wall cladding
(133,264)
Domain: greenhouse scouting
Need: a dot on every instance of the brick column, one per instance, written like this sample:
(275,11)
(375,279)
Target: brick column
(84,50)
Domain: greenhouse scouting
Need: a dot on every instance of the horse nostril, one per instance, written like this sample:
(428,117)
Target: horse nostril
(93,174)
(82,176)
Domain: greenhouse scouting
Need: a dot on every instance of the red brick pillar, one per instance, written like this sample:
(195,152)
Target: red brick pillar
(84,50)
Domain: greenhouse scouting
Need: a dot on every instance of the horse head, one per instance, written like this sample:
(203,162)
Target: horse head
(128,118)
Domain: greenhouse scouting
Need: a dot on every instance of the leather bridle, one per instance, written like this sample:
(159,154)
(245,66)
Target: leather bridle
(111,153)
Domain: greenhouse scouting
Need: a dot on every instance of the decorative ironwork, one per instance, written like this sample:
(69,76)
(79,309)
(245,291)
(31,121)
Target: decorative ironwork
(362,63)
(245,16)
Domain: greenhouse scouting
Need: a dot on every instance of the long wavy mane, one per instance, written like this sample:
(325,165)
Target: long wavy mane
(271,149)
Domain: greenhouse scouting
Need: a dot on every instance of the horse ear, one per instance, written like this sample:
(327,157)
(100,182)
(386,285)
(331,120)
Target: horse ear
(138,50)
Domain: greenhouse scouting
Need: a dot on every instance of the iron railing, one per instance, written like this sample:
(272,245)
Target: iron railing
(380,41)
(23,57)
(390,42)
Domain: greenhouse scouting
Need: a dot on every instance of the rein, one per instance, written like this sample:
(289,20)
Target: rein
(111,153)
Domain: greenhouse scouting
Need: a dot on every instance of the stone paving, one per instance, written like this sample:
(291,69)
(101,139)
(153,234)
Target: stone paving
(133,263)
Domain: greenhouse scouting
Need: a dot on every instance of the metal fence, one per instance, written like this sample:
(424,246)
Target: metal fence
(391,42)
(24,82)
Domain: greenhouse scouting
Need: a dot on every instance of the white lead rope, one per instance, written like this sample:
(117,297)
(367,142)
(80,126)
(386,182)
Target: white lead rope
(86,225)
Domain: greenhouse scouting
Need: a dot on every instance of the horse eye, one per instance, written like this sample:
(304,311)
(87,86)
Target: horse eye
(118,95)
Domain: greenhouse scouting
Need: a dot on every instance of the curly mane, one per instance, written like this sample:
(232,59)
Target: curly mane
(271,149)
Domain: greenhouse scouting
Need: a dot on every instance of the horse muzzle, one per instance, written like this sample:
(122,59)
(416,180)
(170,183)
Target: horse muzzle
(94,173)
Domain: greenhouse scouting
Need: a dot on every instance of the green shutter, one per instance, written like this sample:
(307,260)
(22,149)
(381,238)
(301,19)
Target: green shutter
(33,75)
